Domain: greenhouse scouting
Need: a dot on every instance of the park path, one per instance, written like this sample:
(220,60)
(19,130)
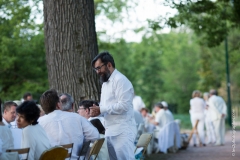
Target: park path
(210,152)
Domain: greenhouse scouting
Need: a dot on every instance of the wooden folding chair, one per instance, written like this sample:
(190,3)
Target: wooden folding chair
(84,149)
(143,141)
(20,151)
(54,153)
(196,132)
(96,148)
(68,147)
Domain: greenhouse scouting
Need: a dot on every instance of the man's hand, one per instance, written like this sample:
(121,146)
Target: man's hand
(94,111)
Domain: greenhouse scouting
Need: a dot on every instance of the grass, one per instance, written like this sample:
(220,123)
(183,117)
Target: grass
(185,121)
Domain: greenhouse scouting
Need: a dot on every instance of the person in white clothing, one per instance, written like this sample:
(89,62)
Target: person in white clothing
(65,127)
(33,135)
(116,107)
(161,119)
(9,114)
(208,121)
(138,103)
(165,105)
(84,110)
(197,107)
(218,109)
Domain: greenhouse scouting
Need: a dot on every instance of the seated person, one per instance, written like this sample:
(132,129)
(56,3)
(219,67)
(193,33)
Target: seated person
(64,127)
(33,135)
(5,134)
(149,127)
(84,111)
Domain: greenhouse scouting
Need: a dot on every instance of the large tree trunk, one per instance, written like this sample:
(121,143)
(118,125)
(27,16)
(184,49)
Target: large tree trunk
(71,44)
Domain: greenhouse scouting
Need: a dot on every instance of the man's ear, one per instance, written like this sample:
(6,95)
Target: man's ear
(58,107)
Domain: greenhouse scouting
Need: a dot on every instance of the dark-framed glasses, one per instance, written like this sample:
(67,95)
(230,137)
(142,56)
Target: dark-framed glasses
(98,68)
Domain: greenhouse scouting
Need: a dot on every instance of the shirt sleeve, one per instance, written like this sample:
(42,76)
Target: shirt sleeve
(123,92)
(89,131)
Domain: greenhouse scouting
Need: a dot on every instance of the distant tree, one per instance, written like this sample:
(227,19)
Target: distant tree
(71,44)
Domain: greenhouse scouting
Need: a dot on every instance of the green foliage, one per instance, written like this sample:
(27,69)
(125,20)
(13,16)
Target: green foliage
(210,20)
(22,57)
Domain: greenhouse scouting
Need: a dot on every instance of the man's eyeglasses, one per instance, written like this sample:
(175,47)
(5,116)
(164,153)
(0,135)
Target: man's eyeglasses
(98,68)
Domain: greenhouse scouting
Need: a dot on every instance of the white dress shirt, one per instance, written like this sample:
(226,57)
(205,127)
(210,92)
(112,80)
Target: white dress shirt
(6,123)
(6,137)
(197,106)
(217,107)
(116,104)
(67,127)
(34,137)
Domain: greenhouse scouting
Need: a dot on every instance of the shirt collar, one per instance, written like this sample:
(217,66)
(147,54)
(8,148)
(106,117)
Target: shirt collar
(113,75)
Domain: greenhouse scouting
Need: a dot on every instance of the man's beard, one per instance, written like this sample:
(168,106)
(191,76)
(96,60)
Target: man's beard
(105,77)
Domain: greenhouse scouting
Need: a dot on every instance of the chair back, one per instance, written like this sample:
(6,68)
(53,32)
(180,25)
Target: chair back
(96,148)
(68,147)
(20,151)
(54,153)
(143,141)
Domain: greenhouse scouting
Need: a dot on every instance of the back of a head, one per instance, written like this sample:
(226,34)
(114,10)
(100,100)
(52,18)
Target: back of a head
(97,123)
(165,105)
(30,110)
(159,105)
(67,101)
(49,101)
(105,58)
(26,95)
(196,93)
(213,92)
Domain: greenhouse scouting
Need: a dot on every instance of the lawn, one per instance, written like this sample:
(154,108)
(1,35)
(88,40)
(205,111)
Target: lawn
(185,123)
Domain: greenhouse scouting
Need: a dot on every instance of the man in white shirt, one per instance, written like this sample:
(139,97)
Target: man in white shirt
(9,114)
(165,105)
(64,127)
(218,111)
(138,103)
(116,108)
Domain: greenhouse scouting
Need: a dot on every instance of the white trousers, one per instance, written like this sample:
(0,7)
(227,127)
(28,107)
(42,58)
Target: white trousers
(210,131)
(200,127)
(121,147)
(219,127)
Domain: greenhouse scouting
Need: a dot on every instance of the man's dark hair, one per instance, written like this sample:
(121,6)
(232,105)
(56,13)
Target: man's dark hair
(49,100)
(98,124)
(26,95)
(159,105)
(30,111)
(87,103)
(105,58)
(7,105)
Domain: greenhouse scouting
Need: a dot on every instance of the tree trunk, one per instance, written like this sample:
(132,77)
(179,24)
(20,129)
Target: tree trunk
(71,44)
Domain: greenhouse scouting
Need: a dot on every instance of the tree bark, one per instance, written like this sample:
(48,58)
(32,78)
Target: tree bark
(71,44)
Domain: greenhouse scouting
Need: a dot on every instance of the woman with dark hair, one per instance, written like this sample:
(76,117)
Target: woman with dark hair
(33,135)
(6,138)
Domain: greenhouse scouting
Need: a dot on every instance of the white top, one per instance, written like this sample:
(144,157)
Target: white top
(138,103)
(162,118)
(170,114)
(6,137)
(217,107)
(116,104)
(35,137)
(67,127)
(197,106)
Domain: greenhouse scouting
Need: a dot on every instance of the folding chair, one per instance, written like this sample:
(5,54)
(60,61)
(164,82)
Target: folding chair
(196,132)
(68,147)
(20,151)
(143,141)
(96,148)
(54,153)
